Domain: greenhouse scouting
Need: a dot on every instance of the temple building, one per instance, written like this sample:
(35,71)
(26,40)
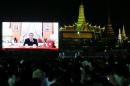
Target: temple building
(122,38)
(119,36)
(109,33)
(81,31)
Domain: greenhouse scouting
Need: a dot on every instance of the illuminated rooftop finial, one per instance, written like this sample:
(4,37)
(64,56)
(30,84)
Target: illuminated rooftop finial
(123,33)
(81,17)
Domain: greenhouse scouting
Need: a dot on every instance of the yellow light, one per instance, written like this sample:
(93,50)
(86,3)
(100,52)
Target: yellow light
(78,32)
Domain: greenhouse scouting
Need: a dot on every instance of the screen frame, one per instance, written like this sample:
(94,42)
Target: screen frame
(28,49)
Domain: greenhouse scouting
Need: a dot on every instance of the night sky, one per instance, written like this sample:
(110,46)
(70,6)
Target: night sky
(66,11)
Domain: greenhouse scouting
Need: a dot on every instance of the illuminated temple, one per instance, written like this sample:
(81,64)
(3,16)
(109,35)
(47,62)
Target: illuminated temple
(81,30)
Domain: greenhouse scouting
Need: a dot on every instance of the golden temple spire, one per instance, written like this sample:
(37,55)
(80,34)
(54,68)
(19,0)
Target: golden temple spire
(81,17)
(119,34)
(108,29)
(123,33)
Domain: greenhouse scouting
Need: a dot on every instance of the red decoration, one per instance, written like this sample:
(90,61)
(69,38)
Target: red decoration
(40,40)
(50,44)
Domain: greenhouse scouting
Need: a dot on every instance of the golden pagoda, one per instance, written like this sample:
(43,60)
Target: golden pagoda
(78,30)
(124,37)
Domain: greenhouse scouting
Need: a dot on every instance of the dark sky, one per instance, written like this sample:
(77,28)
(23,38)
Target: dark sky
(66,11)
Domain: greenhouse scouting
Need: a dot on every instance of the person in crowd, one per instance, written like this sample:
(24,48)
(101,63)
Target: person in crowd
(12,80)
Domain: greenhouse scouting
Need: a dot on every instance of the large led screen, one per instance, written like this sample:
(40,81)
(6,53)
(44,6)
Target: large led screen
(26,35)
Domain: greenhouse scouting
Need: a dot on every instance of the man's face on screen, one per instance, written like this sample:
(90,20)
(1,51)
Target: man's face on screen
(31,35)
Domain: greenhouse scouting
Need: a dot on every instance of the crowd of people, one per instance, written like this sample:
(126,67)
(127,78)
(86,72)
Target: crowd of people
(80,71)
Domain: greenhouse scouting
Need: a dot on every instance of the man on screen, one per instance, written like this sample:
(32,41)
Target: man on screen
(30,41)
